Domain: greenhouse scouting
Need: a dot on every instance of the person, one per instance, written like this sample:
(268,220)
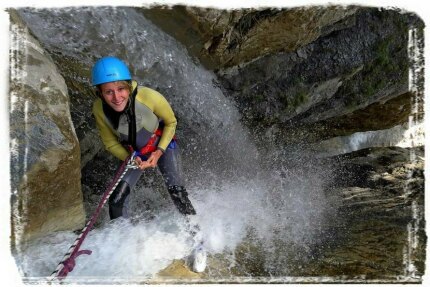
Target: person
(134,118)
(130,117)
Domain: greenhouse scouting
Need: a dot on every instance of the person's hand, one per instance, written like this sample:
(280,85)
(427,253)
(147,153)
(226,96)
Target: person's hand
(151,162)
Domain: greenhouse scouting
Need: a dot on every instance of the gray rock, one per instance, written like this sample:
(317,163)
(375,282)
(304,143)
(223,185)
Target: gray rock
(45,157)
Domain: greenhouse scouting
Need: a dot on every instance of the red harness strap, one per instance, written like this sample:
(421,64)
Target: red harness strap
(150,146)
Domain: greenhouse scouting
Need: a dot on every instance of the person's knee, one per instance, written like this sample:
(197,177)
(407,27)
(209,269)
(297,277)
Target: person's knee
(117,199)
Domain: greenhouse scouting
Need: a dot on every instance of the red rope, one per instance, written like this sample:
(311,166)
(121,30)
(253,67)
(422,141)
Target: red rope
(69,263)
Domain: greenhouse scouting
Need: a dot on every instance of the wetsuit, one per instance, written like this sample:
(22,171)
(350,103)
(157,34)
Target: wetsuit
(148,111)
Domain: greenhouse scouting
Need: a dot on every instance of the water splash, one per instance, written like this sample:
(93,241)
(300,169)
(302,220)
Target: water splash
(284,210)
(121,249)
(236,199)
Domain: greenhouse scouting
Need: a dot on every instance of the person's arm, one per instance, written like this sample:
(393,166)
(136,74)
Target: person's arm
(109,139)
(163,110)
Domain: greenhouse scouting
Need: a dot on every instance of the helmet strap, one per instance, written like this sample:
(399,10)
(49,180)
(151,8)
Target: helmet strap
(131,118)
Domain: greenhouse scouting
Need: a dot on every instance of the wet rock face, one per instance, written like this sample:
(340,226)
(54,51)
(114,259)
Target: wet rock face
(45,161)
(383,233)
(377,236)
(226,38)
(335,75)
(77,76)
(310,73)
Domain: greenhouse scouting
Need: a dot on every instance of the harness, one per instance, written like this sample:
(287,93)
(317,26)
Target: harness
(131,119)
(151,145)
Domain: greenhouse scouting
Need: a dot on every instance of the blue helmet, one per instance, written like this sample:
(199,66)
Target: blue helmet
(109,69)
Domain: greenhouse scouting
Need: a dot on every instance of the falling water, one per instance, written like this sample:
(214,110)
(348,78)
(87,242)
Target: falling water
(400,135)
(155,59)
(280,210)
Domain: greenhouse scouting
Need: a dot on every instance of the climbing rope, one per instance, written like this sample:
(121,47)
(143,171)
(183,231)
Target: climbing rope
(68,262)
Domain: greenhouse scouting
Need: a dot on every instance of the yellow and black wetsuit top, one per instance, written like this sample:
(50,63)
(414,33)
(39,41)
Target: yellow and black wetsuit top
(150,108)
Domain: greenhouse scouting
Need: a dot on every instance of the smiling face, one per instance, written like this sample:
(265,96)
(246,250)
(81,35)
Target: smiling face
(115,94)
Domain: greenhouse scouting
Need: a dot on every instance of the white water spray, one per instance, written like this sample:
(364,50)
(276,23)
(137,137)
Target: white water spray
(232,196)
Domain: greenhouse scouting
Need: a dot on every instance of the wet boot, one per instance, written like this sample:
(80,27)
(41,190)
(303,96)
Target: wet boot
(198,257)
(117,199)
(180,198)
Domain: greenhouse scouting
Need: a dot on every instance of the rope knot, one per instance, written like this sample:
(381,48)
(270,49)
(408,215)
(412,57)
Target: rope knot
(70,262)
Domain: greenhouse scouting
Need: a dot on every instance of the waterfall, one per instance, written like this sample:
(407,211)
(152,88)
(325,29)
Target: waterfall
(400,135)
(236,199)
(155,59)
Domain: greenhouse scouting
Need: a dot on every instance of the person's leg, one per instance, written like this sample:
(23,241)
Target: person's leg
(118,199)
(171,169)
